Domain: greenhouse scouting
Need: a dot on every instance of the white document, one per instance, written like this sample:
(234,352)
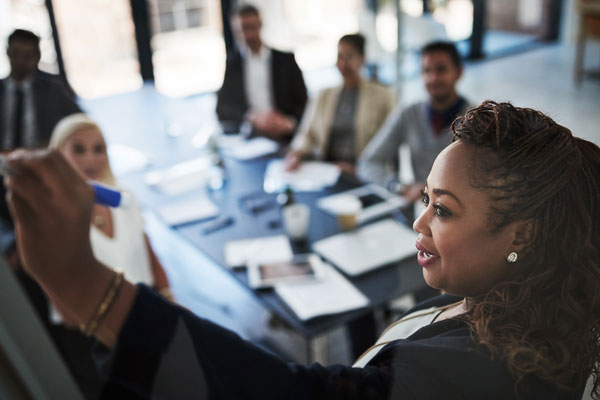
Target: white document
(311,176)
(330,294)
(257,250)
(253,148)
(125,159)
(369,247)
(184,176)
(188,210)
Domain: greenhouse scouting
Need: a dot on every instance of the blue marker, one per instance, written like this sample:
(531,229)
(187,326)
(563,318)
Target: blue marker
(103,195)
(110,197)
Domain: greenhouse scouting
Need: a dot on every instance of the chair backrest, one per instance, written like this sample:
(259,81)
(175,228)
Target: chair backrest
(587,393)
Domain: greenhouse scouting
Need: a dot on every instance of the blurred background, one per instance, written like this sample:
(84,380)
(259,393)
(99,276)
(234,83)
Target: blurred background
(151,68)
(106,47)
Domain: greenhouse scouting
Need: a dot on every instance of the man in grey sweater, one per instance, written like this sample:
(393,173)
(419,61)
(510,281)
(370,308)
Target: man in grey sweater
(423,127)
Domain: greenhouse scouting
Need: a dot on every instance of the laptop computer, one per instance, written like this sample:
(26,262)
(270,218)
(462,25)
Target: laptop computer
(369,247)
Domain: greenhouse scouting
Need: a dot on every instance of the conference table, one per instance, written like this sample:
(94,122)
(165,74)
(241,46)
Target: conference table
(255,213)
(142,121)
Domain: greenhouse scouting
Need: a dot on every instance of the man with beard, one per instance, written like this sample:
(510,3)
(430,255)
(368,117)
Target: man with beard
(423,127)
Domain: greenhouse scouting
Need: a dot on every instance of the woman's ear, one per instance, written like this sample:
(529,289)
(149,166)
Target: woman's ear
(524,235)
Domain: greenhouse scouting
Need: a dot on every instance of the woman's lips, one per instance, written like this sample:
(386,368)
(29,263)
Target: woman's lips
(424,256)
(90,173)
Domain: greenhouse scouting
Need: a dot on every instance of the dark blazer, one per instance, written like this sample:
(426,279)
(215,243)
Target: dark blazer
(188,357)
(52,103)
(289,90)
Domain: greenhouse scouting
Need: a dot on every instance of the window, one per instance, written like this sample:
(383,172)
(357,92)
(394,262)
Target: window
(33,16)
(98,45)
(188,48)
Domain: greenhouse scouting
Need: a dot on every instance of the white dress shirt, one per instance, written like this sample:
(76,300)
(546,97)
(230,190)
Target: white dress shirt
(29,120)
(257,74)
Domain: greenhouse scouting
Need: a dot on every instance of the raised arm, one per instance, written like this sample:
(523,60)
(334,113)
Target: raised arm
(163,351)
(51,206)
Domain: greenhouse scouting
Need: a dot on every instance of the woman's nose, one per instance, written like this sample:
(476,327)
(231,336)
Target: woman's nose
(421,224)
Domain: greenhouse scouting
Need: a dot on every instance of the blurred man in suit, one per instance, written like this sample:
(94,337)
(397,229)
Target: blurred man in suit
(263,90)
(31,102)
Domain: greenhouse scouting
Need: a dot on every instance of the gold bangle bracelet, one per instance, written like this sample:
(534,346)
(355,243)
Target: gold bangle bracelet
(165,292)
(90,328)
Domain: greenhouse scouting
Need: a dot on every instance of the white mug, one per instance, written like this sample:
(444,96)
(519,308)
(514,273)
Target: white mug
(296,219)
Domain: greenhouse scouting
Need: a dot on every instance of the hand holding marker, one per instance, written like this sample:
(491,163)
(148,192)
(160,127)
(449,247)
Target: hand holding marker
(103,195)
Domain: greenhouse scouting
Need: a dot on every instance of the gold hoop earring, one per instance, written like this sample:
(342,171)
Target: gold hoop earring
(512,257)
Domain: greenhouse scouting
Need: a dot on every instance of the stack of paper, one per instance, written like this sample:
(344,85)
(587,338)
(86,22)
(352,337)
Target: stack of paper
(253,148)
(188,210)
(125,159)
(330,294)
(184,176)
(257,250)
(309,177)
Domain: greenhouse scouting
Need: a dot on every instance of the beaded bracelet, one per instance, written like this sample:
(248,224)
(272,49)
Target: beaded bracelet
(90,328)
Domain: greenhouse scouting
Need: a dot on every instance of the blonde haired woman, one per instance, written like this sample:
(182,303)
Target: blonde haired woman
(117,234)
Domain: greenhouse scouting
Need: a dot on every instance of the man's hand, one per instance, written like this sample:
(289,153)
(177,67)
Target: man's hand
(346,167)
(292,161)
(272,123)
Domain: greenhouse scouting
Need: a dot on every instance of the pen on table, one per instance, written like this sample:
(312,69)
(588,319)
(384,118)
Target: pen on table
(103,195)
(218,224)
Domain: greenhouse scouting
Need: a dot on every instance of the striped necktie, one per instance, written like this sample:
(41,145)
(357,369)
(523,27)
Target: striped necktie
(18,118)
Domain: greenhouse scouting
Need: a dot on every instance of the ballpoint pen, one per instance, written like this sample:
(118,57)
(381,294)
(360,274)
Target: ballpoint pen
(103,194)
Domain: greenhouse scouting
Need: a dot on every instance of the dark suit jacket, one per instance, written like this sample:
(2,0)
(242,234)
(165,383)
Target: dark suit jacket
(289,90)
(52,103)
(165,351)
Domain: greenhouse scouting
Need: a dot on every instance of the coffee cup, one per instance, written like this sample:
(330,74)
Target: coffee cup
(347,210)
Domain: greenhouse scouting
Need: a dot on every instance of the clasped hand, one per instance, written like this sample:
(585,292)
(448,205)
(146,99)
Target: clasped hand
(272,123)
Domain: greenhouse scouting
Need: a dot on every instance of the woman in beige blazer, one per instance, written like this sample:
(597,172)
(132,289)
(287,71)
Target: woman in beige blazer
(343,119)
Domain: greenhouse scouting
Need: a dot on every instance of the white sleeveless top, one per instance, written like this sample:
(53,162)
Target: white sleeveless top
(401,329)
(125,251)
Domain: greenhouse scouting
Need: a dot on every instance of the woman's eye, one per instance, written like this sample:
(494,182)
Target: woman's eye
(441,211)
(78,149)
(425,198)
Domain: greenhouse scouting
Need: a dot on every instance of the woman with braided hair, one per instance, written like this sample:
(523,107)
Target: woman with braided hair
(510,228)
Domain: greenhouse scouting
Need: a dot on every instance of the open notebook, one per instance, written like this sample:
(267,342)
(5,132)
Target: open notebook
(30,367)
